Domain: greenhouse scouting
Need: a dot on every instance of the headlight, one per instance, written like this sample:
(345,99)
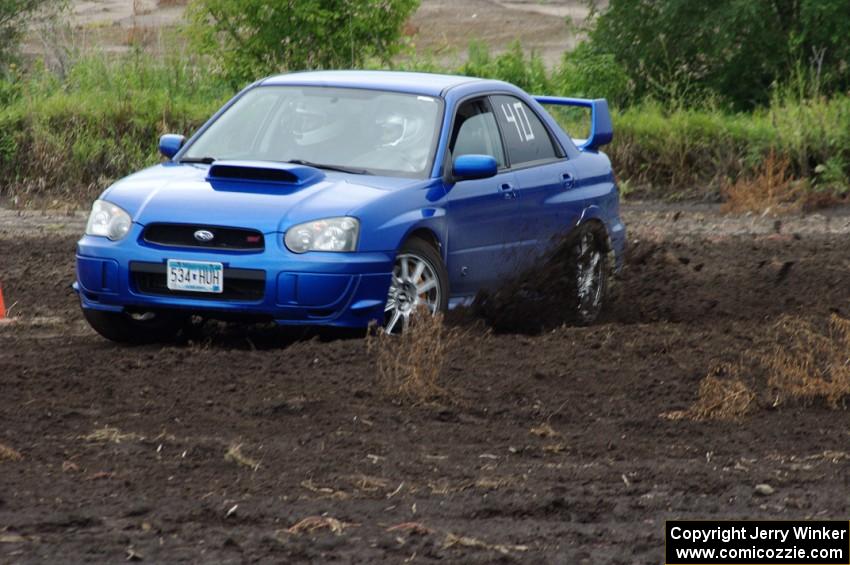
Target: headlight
(108,220)
(331,234)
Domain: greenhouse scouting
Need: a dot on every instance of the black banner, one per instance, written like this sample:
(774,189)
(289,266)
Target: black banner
(741,542)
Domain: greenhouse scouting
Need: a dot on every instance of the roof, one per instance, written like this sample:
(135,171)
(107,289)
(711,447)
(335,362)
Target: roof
(414,83)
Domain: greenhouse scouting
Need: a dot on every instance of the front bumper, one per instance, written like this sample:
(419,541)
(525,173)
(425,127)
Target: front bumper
(335,289)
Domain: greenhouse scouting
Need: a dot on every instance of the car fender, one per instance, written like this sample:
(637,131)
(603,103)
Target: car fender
(614,230)
(399,228)
(388,221)
(592,212)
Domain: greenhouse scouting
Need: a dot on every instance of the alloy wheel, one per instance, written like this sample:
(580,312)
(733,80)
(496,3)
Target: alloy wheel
(589,265)
(414,286)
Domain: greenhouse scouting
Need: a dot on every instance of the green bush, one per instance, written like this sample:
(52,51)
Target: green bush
(528,73)
(733,51)
(588,73)
(15,16)
(254,38)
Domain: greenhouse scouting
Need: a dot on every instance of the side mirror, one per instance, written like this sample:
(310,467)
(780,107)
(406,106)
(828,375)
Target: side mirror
(170,144)
(469,167)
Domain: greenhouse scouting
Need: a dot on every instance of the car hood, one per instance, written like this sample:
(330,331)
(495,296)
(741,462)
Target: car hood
(188,193)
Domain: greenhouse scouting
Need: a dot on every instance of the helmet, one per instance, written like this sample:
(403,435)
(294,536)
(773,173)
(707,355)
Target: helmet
(311,126)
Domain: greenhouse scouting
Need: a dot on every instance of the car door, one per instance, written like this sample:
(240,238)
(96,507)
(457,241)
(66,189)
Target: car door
(480,212)
(550,205)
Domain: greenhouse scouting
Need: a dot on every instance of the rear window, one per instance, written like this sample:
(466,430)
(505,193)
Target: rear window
(526,138)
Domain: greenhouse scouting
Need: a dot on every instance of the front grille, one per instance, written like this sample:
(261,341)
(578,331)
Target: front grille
(239,284)
(183,235)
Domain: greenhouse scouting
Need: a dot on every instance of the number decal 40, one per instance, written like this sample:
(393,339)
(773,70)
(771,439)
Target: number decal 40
(515,114)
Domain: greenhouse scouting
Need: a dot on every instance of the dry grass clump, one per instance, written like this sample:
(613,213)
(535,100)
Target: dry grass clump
(313,524)
(810,364)
(234,455)
(453,540)
(722,396)
(544,430)
(771,189)
(410,365)
(9,454)
(807,363)
(109,434)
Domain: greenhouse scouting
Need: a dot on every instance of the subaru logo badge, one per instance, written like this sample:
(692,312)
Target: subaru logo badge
(204,235)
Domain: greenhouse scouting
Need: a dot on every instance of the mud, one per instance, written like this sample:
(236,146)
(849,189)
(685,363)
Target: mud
(124,448)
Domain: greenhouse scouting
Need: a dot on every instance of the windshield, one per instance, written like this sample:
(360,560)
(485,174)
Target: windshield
(367,131)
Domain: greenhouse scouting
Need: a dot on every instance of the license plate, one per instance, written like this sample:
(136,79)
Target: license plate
(195,276)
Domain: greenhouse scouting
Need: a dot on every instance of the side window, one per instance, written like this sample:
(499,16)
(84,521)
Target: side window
(476,133)
(526,137)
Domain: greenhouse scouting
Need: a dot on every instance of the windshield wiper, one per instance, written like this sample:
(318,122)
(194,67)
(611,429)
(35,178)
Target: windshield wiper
(339,168)
(201,160)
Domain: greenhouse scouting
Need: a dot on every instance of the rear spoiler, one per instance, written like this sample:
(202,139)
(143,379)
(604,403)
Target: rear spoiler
(601,129)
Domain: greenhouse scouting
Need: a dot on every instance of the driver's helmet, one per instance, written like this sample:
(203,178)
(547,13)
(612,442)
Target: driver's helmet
(392,129)
(311,126)
(397,128)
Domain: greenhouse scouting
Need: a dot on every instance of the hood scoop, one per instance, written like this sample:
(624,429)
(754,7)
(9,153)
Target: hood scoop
(266,172)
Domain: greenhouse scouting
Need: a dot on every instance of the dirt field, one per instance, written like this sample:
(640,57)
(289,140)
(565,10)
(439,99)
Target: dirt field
(124,449)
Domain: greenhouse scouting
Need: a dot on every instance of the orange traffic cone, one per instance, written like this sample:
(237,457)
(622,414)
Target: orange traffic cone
(2,305)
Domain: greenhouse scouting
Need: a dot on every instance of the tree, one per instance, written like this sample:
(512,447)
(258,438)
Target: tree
(14,17)
(734,50)
(253,38)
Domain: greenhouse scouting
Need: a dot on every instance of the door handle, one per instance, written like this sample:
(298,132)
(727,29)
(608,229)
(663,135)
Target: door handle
(508,190)
(568,180)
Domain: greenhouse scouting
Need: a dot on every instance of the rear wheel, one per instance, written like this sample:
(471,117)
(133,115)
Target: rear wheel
(591,273)
(135,327)
(420,283)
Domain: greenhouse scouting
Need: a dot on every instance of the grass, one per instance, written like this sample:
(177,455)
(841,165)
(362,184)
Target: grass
(723,395)
(409,366)
(63,140)
(808,362)
(234,455)
(454,540)
(812,364)
(9,454)
(771,188)
(313,524)
(683,152)
(109,434)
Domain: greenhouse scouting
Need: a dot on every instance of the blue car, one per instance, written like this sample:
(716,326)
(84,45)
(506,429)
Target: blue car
(343,198)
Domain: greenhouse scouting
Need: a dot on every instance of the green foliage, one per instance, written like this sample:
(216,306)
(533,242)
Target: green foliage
(691,152)
(254,38)
(588,73)
(733,51)
(528,73)
(66,139)
(69,139)
(14,17)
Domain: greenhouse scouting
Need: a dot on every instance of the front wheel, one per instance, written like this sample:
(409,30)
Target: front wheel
(135,327)
(420,283)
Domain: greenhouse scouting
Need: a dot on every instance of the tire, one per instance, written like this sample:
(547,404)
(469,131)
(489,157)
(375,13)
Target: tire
(420,282)
(147,327)
(591,265)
